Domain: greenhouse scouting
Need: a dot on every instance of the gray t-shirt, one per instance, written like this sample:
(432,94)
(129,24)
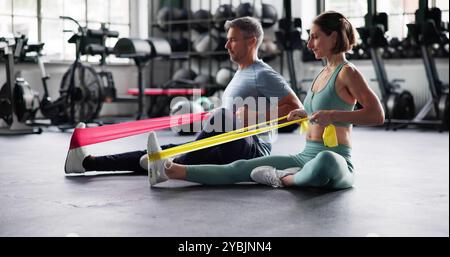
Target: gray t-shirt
(258,80)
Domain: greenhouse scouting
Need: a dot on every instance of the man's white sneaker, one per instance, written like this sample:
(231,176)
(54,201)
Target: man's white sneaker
(75,157)
(156,172)
(270,176)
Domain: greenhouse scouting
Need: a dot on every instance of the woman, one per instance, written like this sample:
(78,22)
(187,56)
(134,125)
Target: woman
(330,100)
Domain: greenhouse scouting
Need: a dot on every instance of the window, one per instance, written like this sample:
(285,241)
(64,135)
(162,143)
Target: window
(354,10)
(401,13)
(19,16)
(115,13)
(22,16)
(443,5)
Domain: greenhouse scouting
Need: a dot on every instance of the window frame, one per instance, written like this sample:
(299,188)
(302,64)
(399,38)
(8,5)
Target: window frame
(39,18)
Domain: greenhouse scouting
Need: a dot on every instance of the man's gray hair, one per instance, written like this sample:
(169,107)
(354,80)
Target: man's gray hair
(249,26)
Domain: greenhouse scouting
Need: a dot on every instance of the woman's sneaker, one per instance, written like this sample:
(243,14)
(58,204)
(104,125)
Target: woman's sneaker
(270,176)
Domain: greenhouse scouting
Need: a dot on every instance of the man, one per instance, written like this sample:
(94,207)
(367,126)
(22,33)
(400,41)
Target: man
(253,80)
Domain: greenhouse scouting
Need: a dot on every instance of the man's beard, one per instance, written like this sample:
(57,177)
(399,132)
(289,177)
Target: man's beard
(235,59)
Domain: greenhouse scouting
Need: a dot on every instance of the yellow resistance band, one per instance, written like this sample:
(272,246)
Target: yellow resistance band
(239,134)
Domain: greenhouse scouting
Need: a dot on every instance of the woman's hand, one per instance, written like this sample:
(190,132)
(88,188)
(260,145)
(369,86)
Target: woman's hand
(322,118)
(297,114)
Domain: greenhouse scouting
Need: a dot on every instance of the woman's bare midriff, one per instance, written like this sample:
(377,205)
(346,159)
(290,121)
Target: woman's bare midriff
(343,134)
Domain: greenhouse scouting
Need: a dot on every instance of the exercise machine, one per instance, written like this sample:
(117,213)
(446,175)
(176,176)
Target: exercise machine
(397,102)
(11,107)
(426,31)
(142,51)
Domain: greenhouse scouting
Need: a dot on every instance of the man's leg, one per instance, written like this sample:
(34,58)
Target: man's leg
(222,154)
(129,161)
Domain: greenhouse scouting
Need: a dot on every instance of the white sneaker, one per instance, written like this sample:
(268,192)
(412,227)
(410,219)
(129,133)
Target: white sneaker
(156,172)
(75,157)
(143,162)
(270,176)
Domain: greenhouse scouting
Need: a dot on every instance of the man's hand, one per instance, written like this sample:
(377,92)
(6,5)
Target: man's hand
(243,114)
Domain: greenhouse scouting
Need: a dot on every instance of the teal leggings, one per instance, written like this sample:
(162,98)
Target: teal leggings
(320,167)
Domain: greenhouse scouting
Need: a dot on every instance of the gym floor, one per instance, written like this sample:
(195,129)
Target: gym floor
(402,189)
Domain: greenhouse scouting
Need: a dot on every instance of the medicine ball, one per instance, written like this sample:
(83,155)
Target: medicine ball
(203,19)
(224,76)
(203,80)
(183,15)
(179,44)
(269,50)
(208,43)
(186,107)
(184,74)
(247,9)
(168,15)
(165,16)
(269,15)
(222,53)
(223,13)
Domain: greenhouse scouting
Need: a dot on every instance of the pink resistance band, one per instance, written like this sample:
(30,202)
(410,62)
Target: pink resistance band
(89,136)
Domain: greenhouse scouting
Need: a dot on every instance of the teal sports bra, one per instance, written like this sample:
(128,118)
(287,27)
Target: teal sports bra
(327,98)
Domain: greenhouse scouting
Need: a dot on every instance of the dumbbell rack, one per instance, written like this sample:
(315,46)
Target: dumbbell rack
(215,60)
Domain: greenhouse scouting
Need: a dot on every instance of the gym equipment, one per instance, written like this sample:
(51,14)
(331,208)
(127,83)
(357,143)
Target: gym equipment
(186,107)
(81,89)
(289,39)
(329,137)
(202,21)
(224,76)
(94,135)
(206,43)
(171,18)
(308,55)
(183,16)
(269,15)
(410,45)
(394,50)
(398,103)
(80,95)
(184,82)
(426,31)
(223,13)
(248,9)
(268,50)
(204,80)
(181,44)
(94,43)
(12,110)
(184,76)
(289,35)
(142,51)
(167,92)
(209,43)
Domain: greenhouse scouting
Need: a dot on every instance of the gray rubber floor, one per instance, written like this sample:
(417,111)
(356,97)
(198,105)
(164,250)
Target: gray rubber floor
(402,189)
